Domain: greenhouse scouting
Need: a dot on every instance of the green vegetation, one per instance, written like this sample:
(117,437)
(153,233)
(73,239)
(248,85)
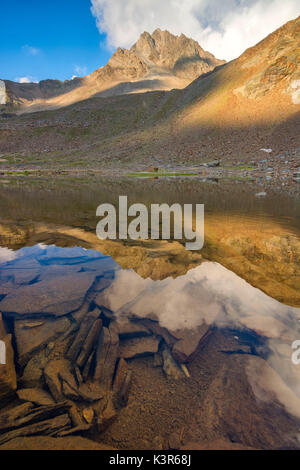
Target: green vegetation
(152,174)
(240,167)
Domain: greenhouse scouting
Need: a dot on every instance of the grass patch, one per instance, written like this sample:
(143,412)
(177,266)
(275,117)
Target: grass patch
(240,167)
(150,174)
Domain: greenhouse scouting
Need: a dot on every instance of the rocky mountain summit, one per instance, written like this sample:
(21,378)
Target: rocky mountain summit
(178,55)
(160,61)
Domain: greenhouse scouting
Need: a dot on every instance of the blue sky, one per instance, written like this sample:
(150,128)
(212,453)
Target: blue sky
(49,39)
(42,39)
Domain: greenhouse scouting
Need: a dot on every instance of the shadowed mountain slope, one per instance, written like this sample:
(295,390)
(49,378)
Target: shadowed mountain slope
(160,61)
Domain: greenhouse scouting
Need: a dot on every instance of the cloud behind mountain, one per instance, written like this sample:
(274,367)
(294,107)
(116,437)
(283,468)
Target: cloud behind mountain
(225,28)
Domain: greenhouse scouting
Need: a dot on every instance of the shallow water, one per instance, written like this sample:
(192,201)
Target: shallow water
(244,286)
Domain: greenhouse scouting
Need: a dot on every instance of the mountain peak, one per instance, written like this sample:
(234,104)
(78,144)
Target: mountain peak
(157,61)
(181,55)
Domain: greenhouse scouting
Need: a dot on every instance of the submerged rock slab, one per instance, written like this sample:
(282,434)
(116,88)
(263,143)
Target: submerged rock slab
(33,372)
(9,415)
(47,427)
(189,343)
(122,384)
(56,297)
(57,373)
(106,357)
(139,347)
(36,396)
(170,366)
(82,334)
(127,329)
(31,336)
(23,272)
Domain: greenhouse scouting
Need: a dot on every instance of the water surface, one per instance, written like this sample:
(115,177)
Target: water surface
(244,286)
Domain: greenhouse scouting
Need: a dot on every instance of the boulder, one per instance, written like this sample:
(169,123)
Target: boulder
(190,341)
(122,384)
(170,366)
(35,415)
(139,347)
(128,329)
(57,297)
(107,417)
(81,335)
(36,396)
(78,375)
(27,273)
(33,336)
(83,428)
(75,416)
(154,326)
(9,416)
(88,414)
(59,377)
(33,371)
(212,164)
(90,342)
(106,356)
(157,360)
(91,392)
(88,370)
(47,427)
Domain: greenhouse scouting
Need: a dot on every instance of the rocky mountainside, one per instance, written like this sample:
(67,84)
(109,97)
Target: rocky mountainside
(263,84)
(160,61)
(228,114)
(19,93)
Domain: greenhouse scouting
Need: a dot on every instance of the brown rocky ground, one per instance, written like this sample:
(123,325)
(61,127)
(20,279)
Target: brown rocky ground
(228,115)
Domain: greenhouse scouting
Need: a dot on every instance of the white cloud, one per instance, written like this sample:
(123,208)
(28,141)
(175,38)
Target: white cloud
(7,254)
(80,71)
(25,80)
(225,28)
(29,50)
(209,293)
